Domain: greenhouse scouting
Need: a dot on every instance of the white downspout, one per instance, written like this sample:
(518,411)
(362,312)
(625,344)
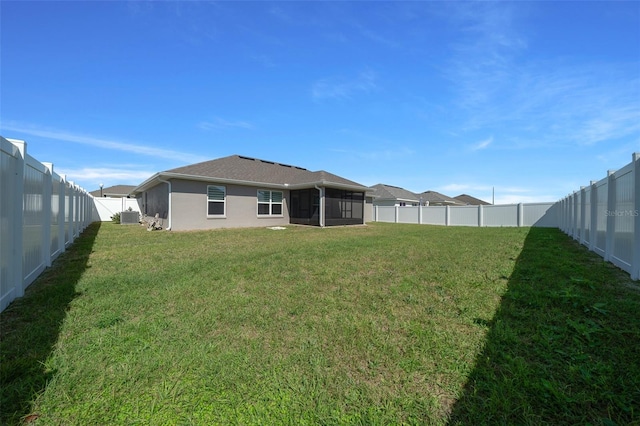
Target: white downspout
(321,206)
(168,182)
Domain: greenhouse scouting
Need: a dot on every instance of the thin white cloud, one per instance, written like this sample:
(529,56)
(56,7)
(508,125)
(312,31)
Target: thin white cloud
(482,144)
(537,103)
(106,175)
(108,144)
(518,198)
(379,155)
(502,194)
(220,123)
(462,187)
(340,88)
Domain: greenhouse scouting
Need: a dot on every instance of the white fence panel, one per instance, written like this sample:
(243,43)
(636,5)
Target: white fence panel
(601,202)
(33,216)
(606,217)
(107,207)
(533,214)
(586,216)
(623,220)
(40,214)
(464,215)
(408,214)
(10,253)
(435,215)
(544,215)
(385,214)
(501,215)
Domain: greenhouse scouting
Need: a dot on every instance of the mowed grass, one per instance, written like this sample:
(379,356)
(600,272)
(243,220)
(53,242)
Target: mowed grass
(373,325)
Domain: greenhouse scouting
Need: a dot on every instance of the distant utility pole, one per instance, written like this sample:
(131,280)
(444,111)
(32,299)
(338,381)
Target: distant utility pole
(493,195)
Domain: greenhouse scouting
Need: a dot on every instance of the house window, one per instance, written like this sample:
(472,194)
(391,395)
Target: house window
(269,203)
(216,200)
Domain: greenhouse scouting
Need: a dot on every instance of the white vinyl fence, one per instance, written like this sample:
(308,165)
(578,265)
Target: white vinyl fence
(530,214)
(107,207)
(40,215)
(605,217)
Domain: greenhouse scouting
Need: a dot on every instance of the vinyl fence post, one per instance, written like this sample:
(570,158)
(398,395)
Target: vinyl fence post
(480,216)
(62,193)
(18,222)
(566,214)
(46,214)
(71,207)
(593,233)
(611,219)
(575,226)
(635,261)
(583,210)
(447,215)
(375,213)
(520,214)
(396,213)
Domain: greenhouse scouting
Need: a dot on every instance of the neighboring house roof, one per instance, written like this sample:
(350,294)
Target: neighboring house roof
(436,198)
(390,192)
(472,201)
(252,171)
(114,191)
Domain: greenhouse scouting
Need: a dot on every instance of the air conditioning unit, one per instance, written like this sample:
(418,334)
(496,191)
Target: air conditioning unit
(129,218)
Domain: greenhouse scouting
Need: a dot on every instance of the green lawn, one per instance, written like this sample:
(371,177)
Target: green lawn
(374,325)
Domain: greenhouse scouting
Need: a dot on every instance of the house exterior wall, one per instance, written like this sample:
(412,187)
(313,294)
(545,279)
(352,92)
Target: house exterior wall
(189,207)
(392,203)
(368,209)
(388,203)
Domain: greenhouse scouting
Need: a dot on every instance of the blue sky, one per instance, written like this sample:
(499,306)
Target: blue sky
(532,98)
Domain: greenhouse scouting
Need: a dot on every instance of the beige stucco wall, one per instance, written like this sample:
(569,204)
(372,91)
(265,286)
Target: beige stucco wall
(189,207)
(368,209)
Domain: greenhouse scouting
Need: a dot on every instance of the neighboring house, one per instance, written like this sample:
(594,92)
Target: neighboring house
(116,191)
(238,191)
(433,198)
(388,195)
(471,201)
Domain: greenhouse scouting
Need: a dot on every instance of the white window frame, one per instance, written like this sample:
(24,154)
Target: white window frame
(270,203)
(224,202)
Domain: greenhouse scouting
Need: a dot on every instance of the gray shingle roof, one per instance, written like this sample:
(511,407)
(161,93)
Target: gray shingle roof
(390,192)
(435,198)
(247,169)
(115,190)
(472,201)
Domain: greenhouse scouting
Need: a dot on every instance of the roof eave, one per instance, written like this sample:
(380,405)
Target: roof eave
(328,184)
(159,177)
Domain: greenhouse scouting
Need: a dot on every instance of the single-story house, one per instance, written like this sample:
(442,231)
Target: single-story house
(471,201)
(433,198)
(116,191)
(239,191)
(389,195)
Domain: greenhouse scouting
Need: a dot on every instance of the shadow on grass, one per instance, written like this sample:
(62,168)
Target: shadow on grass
(563,347)
(30,325)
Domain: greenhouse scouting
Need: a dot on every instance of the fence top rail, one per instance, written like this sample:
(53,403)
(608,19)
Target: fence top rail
(9,148)
(35,164)
(623,171)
